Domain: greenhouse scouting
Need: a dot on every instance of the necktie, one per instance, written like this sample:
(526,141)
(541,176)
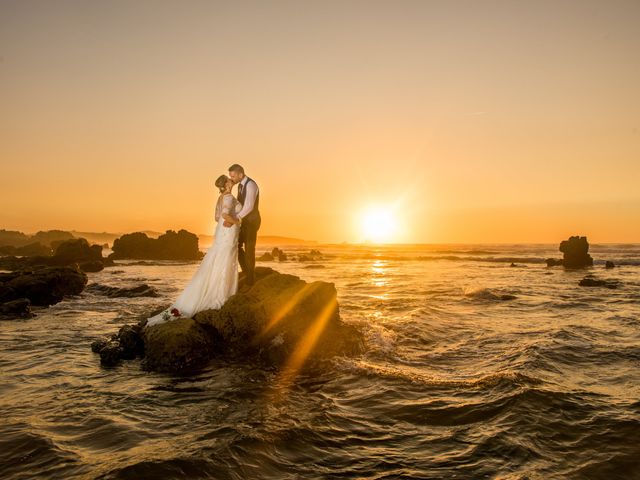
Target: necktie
(240,191)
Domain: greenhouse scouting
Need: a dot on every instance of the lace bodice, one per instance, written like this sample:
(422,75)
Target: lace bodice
(227,204)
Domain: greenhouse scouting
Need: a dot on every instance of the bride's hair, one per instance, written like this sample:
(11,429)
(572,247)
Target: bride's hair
(221,182)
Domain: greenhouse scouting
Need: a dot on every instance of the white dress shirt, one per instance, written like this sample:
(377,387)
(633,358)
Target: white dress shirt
(250,190)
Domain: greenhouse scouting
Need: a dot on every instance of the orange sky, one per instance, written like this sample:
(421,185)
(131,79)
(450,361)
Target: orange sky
(478,121)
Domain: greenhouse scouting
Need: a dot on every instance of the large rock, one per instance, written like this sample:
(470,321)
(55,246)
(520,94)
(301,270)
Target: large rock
(575,251)
(281,320)
(182,245)
(42,286)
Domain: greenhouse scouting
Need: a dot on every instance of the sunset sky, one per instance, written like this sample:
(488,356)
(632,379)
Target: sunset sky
(468,121)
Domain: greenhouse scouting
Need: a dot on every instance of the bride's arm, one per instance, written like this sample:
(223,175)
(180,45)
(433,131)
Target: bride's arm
(218,209)
(228,208)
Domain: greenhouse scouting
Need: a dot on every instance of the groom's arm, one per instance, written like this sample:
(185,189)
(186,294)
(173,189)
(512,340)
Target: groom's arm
(249,200)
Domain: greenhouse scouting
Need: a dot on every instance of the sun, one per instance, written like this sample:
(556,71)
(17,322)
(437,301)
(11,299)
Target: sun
(378,225)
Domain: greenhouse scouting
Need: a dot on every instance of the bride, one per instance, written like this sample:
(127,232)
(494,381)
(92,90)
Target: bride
(217,276)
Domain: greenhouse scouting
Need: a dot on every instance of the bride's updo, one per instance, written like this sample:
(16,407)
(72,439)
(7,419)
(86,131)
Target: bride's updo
(221,182)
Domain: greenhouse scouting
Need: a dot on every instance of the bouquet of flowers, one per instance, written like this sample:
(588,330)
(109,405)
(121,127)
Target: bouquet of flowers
(168,314)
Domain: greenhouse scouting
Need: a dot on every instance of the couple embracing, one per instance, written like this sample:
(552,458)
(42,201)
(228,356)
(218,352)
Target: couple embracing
(216,279)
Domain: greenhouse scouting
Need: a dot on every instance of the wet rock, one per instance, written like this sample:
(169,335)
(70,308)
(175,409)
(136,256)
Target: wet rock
(99,344)
(177,346)
(283,319)
(92,266)
(20,308)
(553,262)
(143,290)
(609,264)
(265,257)
(314,266)
(131,342)
(75,252)
(42,286)
(280,320)
(110,353)
(597,282)
(575,251)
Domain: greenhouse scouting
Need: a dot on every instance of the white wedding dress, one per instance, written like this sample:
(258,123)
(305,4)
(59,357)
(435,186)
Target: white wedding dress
(217,276)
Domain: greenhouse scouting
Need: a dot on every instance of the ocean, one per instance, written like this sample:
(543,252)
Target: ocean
(474,368)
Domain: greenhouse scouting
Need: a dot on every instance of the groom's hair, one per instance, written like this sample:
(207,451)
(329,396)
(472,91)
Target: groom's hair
(236,168)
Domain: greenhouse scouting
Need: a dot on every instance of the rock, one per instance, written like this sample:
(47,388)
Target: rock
(575,251)
(98,345)
(13,238)
(279,254)
(314,266)
(131,343)
(182,245)
(312,256)
(67,253)
(110,353)
(552,262)
(265,257)
(42,286)
(77,250)
(20,308)
(609,264)
(596,282)
(143,290)
(177,346)
(49,237)
(280,320)
(91,267)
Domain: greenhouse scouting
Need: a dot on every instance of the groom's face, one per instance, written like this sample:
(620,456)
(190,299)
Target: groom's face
(236,177)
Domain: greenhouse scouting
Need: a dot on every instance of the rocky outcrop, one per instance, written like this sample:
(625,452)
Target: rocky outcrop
(311,256)
(281,321)
(73,252)
(590,281)
(576,253)
(127,344)
(182,245)
(143,290)
(276,254)
(41,286)
(20,308)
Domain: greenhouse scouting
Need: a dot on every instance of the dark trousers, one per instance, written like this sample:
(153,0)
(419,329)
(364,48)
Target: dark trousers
(247,249)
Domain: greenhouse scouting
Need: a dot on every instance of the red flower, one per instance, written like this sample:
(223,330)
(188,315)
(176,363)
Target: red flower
(175,312)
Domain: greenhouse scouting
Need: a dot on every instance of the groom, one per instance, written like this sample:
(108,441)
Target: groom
(249,216)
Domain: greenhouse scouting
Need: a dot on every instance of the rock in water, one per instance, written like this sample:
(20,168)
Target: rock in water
(42,286)
(284,320)
(280,320)
(182,245)
(20,308)
(177,346)
(597,282)
(575,252)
